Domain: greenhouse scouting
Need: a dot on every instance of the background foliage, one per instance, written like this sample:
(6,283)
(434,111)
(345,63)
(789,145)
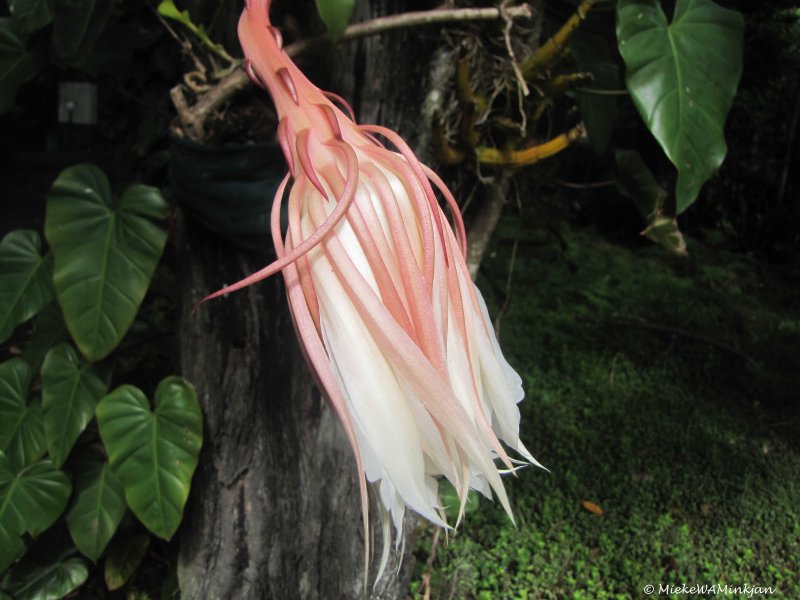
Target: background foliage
(660,389)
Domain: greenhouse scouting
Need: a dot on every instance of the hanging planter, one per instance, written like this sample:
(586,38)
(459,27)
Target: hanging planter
(227,188)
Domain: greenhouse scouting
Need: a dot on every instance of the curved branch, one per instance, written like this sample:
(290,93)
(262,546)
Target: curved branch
(192,118)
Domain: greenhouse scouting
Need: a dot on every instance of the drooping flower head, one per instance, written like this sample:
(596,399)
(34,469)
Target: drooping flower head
(393,328)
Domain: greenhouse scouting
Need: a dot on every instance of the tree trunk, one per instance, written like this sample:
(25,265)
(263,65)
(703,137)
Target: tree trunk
(274,510)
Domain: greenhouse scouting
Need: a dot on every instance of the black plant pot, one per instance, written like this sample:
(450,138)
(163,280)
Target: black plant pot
(228,189)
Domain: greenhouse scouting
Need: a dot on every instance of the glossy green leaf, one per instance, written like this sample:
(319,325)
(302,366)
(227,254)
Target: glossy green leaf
(21,423)
(154,452)
(336,15)
(11,544)
(105,251)
(17,63)
(71,390)
(168,10)
(171,589)
(682,77)
(25,279)
(50,581)
(123,558)
(664,231)
(48,330)
(32,15)
(30,501)
(636,181)
(97,508)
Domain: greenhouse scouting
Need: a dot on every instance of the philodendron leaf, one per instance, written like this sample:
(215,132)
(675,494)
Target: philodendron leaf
(336,15)
(30,501)
(123,558)
(17,63)
(682,77)
(636,181)
(25,279)
(71,390)
(153,452)
(105,251)
(48,330)
(21,423)
(32,15)
(49,581)
(664,230)
(97,508)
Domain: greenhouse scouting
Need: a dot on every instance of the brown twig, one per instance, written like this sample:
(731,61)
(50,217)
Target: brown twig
(193,117)
(425,587)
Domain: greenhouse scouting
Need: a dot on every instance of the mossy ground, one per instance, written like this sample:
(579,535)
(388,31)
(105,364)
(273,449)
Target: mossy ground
(666,391)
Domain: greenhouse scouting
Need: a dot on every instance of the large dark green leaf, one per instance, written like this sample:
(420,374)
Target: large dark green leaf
(97,508)
(32,15)
(21,424)
(48,330)
(123,558)
(105,250)
(25,279)
(17,63)
(336,15)
(682,77)
(636,181)
(30,501)
(71,390)
(154,453)
(49,581)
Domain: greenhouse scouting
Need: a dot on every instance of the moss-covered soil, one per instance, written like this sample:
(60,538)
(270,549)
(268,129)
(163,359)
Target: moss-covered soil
(666,391)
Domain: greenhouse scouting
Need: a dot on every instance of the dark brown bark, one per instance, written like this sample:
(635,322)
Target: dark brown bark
(274,511)
(482,229)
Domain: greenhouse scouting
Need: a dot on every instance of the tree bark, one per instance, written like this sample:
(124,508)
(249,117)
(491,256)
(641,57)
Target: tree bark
(274,510)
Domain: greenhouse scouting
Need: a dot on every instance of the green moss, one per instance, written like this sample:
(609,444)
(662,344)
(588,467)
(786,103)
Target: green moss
(656,388)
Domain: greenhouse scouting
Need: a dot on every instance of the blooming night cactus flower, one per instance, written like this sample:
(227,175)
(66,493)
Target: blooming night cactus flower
(392,326)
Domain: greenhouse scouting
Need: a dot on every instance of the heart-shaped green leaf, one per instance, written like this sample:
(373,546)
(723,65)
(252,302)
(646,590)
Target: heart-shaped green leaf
(30,501)
(153,452)
(32,15)
(17,63)
(71,390)
(50,581)
(682,77)
(21,424)
(336,15)
(25,279)
(105,252)
(97,508)
(48,330)
(636,181)
(123,558)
